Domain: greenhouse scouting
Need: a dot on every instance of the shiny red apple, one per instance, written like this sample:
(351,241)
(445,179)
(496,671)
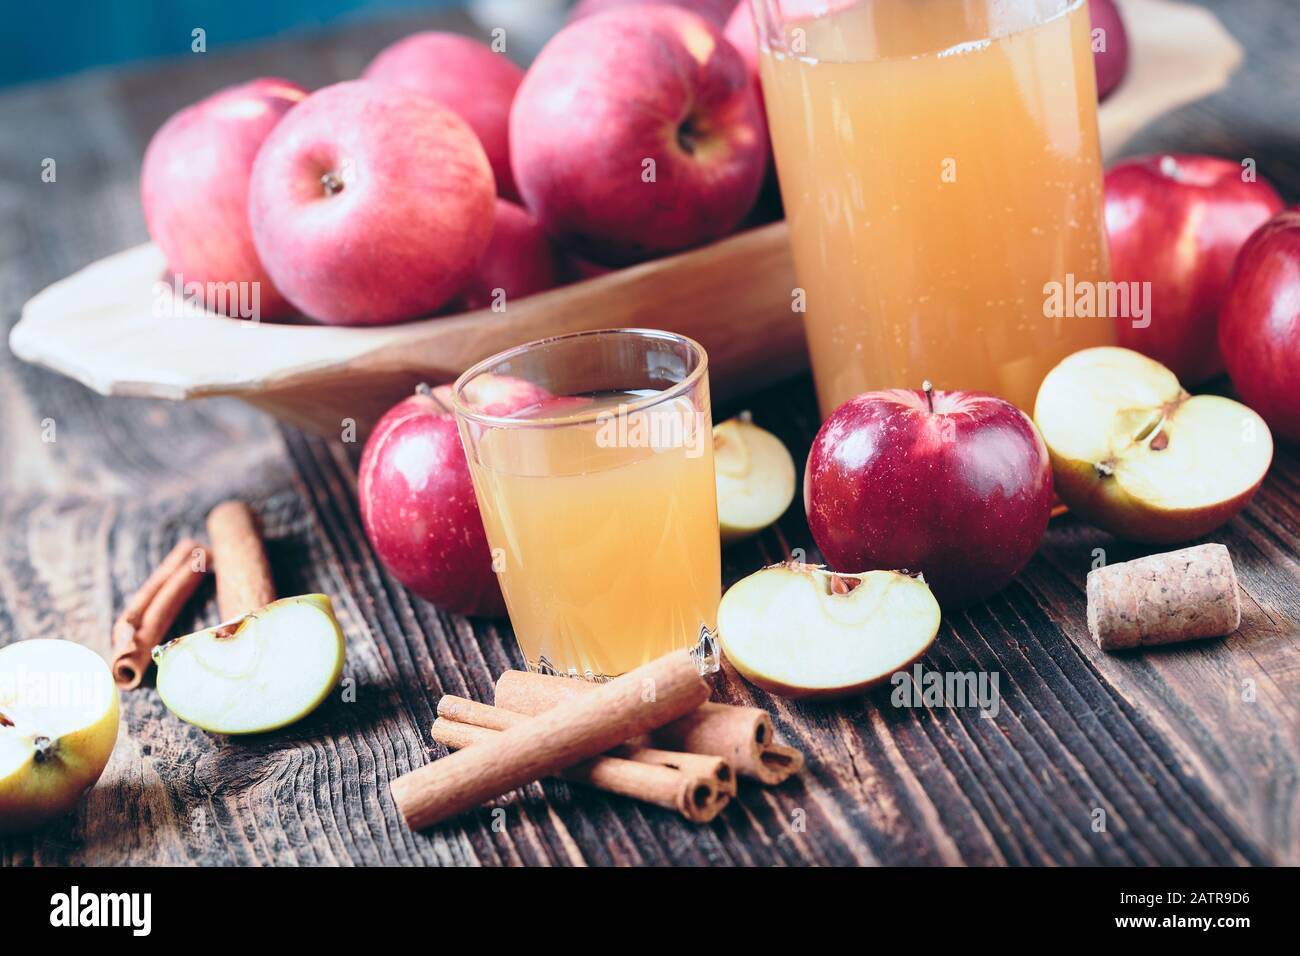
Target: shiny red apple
(520,260)
(465,76)
(1259,327)
(370,204)
(1110,45)
(194,188)
(635,133)
(956,485)
(417,498)
(1177,222)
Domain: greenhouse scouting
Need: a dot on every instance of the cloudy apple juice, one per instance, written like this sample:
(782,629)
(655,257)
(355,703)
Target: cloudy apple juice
(939,164)
(604,529)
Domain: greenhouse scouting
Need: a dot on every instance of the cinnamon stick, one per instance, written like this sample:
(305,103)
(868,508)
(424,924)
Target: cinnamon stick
(244,582)
(700,766)
(569,733)
(697,798)
(743,736)
(152,609)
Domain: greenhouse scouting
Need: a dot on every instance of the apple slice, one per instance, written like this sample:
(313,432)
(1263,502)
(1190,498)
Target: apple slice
(58,725)
(802,631)
(256,673)
(755,476)
(1134,454)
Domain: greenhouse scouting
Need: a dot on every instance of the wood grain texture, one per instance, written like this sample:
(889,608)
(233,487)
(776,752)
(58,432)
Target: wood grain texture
(1191,751)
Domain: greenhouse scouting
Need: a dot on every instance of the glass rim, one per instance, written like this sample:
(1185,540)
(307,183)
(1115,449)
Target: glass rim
(691,379)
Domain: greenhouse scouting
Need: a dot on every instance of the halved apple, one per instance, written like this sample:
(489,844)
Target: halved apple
(256,673)
(802,631)
(755,476)
(58,725)
(1134,454)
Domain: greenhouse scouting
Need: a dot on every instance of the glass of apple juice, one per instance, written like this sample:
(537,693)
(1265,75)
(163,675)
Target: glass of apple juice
(598,497)
(941,171)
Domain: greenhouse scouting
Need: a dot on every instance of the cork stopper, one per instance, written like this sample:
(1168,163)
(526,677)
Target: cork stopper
(1164,598)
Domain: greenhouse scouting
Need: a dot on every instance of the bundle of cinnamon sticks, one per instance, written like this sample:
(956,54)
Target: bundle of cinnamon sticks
(651,735)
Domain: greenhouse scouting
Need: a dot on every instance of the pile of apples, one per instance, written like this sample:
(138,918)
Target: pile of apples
(446,178)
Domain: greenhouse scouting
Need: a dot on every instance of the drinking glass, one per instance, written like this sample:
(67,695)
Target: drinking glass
(940,169)
(598,497)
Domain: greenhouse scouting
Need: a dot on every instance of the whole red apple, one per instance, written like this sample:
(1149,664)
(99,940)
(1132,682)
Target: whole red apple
(194,188)
(956,485)
(637,132)
(1177,222)
(1110,57)
(417,498)
(370,204)
(465,76)
(1259,327)
(520,260)
(715,11)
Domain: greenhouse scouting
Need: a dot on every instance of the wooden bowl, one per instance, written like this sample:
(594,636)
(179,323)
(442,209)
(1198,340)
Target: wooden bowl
(99,325)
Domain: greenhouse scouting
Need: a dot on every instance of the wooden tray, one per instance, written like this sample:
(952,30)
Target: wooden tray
(98,325)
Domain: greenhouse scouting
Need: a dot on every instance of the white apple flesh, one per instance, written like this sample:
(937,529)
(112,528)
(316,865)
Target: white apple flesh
(755,478)
(58,725)
(802,631)
(255,674)
(1134,454)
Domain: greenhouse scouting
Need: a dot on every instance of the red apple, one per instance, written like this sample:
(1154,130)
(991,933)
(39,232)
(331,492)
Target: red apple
(370,204)
(1259,327)
(956,485)
(1110,56)
(465,76)
(636,133)
(715,11)
(1177,222)
(520,260)
(417,499)
(194,187)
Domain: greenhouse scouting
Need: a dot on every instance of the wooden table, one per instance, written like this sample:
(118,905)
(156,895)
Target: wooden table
(1191,752)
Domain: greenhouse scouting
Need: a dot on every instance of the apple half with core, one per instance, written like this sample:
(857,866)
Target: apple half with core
(955,485)
(755,477)
(58,725)
(802,631)
(256,673)
(1136,455)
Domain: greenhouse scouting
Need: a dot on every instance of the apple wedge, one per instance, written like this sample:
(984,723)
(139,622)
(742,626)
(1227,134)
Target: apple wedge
(755,476)
(803,631)
(58,725)
(256,673)
(1134,454)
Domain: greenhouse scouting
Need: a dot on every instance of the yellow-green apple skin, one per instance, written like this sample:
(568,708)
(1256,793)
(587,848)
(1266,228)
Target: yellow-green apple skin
(259,673)
(1134,454)
(755,478)
(803,632)
(58,725)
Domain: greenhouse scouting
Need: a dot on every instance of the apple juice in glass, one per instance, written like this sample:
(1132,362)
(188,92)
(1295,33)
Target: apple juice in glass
(599,502)
(939,165)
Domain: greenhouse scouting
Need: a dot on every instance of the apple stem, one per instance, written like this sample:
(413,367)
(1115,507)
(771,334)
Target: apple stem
(929,394)
(425,391)
(5,721)
(332,183)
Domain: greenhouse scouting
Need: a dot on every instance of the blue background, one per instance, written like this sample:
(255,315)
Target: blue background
(41,39)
